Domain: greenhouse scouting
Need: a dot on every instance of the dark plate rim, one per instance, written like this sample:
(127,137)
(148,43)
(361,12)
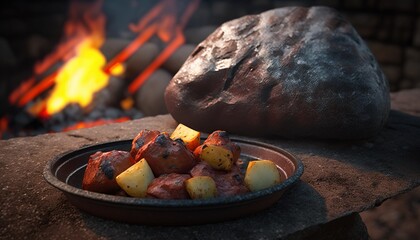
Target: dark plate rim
(51,178)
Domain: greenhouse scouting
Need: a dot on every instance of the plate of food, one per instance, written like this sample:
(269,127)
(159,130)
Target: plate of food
(181,178)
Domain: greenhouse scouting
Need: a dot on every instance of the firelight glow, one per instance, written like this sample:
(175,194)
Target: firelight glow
(85,70)
(79,79)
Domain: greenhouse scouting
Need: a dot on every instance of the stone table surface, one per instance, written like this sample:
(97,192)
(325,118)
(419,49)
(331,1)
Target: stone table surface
(340,179)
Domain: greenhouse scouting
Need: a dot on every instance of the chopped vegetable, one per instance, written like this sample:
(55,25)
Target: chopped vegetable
(219,157)
(261,174)
(135,180)
(189,136)
(201,187)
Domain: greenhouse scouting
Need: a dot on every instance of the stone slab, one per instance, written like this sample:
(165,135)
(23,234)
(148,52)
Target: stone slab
(340,180)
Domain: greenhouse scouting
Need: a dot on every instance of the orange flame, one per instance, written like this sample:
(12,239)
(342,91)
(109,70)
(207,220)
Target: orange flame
(82,75)
(84,33)
(85,70)
(78,79)
(85,20)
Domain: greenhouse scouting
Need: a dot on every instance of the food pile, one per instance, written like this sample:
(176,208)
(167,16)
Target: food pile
(178,166)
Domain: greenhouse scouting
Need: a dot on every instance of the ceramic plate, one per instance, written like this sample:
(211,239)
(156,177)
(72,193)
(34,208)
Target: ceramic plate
(66,171)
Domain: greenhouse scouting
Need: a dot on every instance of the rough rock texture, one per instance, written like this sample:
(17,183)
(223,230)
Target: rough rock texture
(292,72)
(398,218)
(341,178)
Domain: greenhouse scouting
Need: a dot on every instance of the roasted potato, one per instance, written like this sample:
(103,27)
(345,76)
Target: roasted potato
(201,187)
(176,166)
(189,136)
(219,157)
(261,174)
(219,138)
(228,183)
(136,179)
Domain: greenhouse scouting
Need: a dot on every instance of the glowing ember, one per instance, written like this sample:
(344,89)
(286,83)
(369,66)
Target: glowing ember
(3,126)
(94,123)
(79,79)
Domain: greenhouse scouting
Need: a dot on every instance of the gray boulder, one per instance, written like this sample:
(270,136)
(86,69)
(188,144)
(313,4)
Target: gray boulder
(290,72)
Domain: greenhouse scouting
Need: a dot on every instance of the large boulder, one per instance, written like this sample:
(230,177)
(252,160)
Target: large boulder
(291,72)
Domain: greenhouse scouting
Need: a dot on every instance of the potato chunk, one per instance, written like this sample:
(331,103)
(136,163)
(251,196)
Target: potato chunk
(261,174)
(189,136)
(201,187)
(228,183)
(219,157)
(219,138)
(135,180)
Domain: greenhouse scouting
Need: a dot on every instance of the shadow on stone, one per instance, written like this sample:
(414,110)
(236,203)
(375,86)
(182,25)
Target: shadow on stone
(299,208)
(393,152)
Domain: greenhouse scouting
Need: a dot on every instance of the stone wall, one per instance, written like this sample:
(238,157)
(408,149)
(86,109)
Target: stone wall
(392,31)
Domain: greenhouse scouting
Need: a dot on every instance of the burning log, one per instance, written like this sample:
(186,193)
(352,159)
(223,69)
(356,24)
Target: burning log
(166,28)
(160,59)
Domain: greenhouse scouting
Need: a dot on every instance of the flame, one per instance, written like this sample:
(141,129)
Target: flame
(86,20)
(84,33)
(79,79)
(82,75)
(85,70)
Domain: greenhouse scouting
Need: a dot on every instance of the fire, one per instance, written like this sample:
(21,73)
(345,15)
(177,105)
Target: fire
(85,70)
(78,79)
(81,76)
(84,33)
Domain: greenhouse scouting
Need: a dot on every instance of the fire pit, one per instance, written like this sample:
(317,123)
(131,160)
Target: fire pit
(88,72)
